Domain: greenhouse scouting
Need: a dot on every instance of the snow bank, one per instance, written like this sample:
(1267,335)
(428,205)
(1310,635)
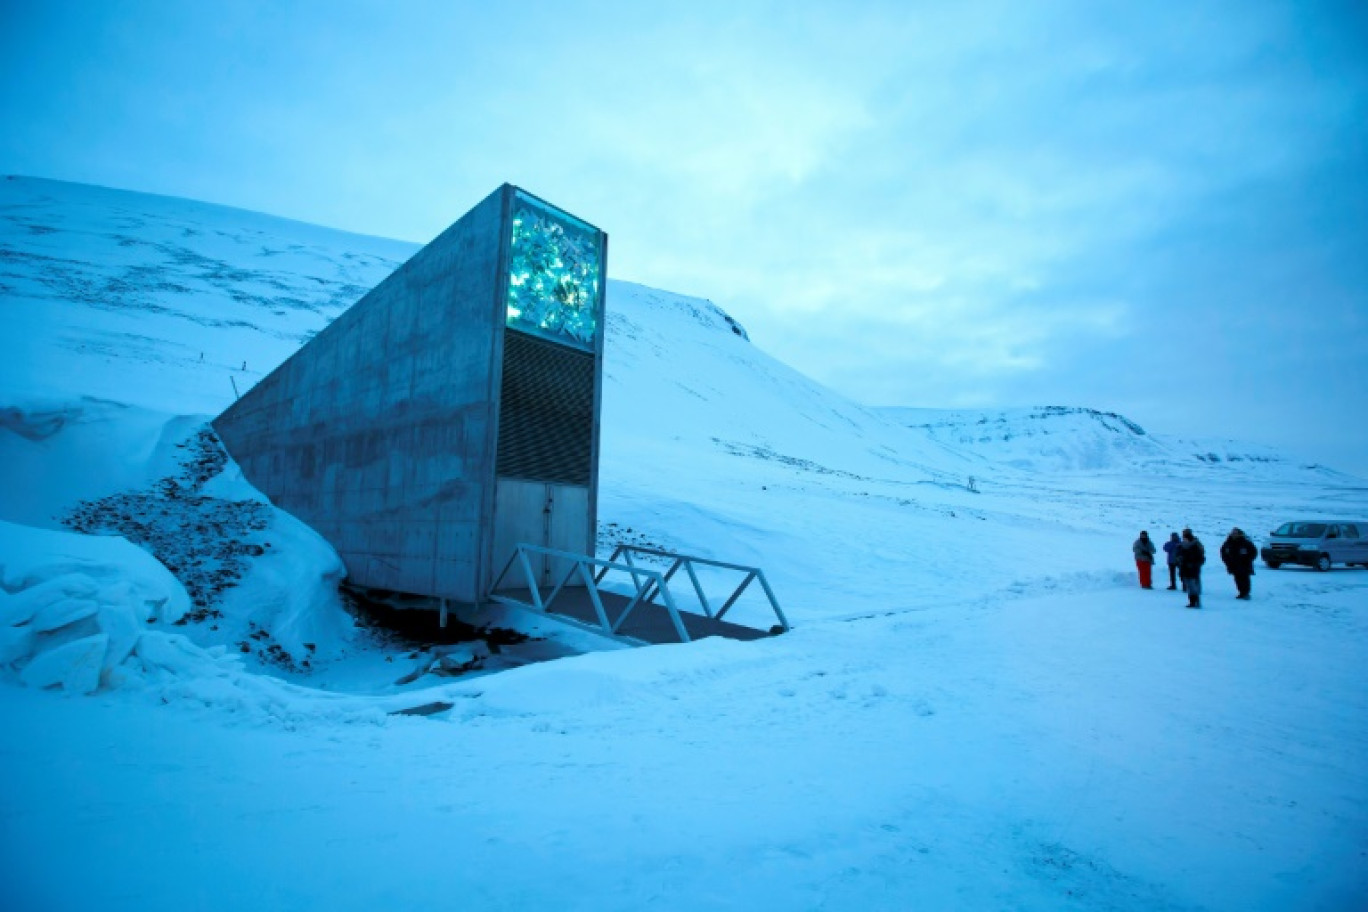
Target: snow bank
(81,614)
(253,574)
(292,591)
(69,450)
(76,610)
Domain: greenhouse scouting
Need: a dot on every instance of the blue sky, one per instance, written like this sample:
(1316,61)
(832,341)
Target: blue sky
(1156,209)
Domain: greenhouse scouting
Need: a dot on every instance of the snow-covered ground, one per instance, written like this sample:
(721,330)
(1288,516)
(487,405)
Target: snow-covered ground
(977,708)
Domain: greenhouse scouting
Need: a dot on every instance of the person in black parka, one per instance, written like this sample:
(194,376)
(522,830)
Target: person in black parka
(1238,553)
(1191,557)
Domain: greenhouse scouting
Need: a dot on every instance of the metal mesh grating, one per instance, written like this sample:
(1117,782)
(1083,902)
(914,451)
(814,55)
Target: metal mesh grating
(546,413)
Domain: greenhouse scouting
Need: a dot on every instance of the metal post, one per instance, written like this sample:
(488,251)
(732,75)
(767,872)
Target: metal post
(674,616)
(561,585)
(589,583)
(603,570)
(627,559)
(737,594)
(774,602)
(532,583)
(508,565)
(650,575)
(702,599)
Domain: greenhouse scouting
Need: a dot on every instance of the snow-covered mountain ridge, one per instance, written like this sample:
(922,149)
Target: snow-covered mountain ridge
(1074,439)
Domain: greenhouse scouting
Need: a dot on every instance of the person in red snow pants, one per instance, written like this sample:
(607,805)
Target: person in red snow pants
(1144,551)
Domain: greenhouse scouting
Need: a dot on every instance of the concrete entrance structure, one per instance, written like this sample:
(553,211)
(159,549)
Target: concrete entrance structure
(452,412)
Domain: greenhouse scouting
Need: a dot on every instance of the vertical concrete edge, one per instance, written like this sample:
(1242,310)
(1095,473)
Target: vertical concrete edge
(484,569)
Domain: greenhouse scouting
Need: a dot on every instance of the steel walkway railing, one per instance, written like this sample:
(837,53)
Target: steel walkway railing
(647,584)
(580,564)
(687,562)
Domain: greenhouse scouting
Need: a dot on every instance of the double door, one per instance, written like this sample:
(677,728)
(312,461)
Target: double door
(541,513)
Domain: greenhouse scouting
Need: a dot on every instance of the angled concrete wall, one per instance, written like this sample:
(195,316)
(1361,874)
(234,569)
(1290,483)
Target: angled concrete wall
(380,432)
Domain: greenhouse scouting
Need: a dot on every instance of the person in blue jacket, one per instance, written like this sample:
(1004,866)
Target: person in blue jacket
(1171,548)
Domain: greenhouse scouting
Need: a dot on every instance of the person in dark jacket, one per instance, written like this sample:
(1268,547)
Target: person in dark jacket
(1191,557)
(1171,549)
(1144,552)
(1238,553)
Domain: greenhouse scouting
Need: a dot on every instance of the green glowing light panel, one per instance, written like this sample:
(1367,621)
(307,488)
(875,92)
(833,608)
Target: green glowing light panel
(555,273)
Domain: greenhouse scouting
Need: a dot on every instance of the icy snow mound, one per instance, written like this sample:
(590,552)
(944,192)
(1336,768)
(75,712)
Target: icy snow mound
(82,614)
(291,592)
(75,611)
(254,575)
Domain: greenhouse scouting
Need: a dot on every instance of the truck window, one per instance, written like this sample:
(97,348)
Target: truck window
(1349,530)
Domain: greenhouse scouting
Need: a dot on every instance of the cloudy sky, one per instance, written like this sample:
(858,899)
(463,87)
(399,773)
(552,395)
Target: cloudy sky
(1159,209)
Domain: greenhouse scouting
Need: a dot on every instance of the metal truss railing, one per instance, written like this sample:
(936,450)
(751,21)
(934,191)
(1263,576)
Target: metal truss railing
(647,583)
(659,581)
(580,565)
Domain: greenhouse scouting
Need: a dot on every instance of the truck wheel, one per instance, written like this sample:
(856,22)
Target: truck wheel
(1323,563)
(1273,565)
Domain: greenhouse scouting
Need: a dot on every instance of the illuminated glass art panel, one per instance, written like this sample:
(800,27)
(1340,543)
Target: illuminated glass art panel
(555,268)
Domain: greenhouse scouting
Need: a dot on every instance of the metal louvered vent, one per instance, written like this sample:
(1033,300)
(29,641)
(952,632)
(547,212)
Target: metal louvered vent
(546,414)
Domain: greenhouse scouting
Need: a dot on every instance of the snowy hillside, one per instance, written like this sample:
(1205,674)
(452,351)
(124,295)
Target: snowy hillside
(977,708)
(1071,439)
(181,299)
